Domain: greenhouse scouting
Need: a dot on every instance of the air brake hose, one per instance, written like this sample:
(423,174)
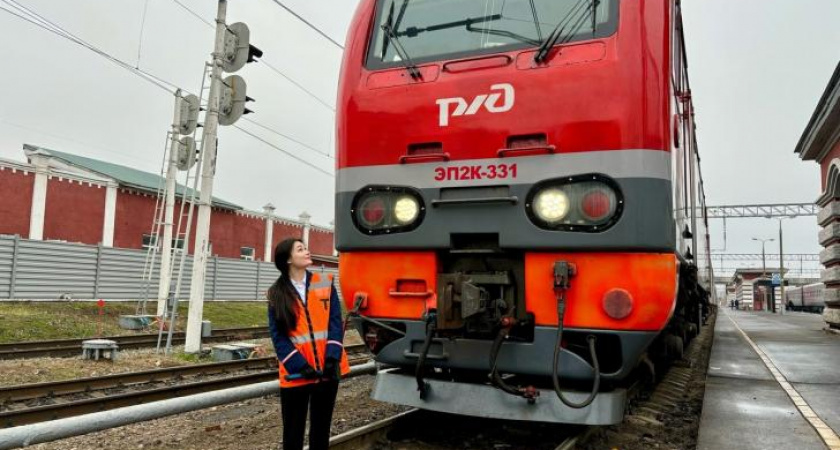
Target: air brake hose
(529,392)
(431,326)
(561,312)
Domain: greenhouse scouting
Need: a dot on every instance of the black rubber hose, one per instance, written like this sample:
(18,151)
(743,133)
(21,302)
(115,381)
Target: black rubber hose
(421,361)
(556,378)
(494,374)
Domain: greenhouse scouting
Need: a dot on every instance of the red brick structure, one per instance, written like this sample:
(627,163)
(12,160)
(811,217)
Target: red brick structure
(820,142)
(65,197)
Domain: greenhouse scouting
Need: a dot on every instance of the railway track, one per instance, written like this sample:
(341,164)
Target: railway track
(420,430)
(416,430)
(73,347)
(39,402)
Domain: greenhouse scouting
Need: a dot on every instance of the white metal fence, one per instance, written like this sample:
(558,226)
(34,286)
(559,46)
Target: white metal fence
(49,270)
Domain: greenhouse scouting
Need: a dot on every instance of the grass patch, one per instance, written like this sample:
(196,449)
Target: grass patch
(35,321)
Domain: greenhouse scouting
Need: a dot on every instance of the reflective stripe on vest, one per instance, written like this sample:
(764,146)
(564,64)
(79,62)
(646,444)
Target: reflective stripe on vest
(305,339)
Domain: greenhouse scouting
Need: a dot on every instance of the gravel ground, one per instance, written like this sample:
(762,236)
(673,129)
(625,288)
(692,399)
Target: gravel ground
(676,427)
(250,425)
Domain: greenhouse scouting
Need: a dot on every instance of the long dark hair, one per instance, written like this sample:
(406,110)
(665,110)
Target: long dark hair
(281,296)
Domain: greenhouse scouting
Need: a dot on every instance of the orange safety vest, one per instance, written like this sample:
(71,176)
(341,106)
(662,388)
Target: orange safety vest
(310,335)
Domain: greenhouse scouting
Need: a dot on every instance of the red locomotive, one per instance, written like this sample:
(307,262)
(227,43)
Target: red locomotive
(508,166)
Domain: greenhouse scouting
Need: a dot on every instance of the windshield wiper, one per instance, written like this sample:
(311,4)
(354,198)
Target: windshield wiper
(536,21)
(409,63)
(504,33)
(391,36)
(558,32)
(414,31)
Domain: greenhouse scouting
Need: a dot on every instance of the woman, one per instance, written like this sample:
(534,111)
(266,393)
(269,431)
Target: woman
(304,317)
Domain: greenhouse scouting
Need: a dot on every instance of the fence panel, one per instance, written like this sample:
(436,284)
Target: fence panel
(52,270)
(121,275)
(7,249)
(235,279)
(46,270)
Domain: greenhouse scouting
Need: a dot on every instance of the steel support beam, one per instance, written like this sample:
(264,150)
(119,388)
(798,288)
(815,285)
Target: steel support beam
(768,210)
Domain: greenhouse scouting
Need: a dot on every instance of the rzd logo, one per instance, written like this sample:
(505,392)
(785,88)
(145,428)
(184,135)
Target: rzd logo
(489,101)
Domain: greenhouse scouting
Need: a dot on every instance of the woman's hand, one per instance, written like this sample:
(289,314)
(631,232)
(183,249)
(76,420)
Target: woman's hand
(308,373)
(332,370)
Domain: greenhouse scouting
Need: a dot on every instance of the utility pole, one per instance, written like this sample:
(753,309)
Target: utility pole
(782,264)
(763,262)
(169,211)
(231,51)
(208,170)
(781,270)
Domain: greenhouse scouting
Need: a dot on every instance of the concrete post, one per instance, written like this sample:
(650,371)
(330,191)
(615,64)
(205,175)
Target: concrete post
(208,171)
(781,271)
(269,232)
(307,226)
(108,223)
(39,197)
(169,211)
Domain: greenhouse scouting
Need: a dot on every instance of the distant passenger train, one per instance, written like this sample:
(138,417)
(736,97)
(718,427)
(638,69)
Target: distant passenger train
(808,298)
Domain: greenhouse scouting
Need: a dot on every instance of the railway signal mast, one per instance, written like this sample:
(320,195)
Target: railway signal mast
(232,50)
(181,158)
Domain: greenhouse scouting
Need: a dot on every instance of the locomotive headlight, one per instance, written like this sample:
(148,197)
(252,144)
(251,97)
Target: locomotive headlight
(406,210)
(551,205)
(380,210)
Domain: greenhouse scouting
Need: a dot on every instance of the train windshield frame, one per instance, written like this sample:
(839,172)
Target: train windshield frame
(436,30)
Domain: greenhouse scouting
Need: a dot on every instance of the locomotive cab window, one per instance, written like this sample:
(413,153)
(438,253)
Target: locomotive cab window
(430,30)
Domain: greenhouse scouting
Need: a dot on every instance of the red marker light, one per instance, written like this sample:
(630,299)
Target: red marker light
(596,204)
(618,303)
(373,211)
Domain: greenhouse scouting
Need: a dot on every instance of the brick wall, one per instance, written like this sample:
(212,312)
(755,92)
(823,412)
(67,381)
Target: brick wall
(16,186)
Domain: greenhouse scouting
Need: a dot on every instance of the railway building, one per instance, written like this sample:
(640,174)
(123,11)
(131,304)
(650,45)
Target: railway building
(820,142)
(60,196)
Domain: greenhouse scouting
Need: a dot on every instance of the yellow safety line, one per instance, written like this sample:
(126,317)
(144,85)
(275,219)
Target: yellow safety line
(831,439)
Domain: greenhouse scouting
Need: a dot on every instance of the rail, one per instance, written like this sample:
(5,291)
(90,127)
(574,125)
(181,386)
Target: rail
(73,347)
(13,414)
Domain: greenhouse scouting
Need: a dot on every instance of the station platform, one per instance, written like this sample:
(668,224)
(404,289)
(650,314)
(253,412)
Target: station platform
(773,383)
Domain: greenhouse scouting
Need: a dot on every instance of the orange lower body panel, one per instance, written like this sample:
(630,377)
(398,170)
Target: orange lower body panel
(377,274)
(650,279)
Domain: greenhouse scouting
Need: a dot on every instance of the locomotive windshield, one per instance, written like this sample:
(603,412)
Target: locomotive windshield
(429,30)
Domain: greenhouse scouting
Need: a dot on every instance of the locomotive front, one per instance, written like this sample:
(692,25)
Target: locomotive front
(504,167)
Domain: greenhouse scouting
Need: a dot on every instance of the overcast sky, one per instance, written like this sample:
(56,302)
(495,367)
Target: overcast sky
(757,68)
